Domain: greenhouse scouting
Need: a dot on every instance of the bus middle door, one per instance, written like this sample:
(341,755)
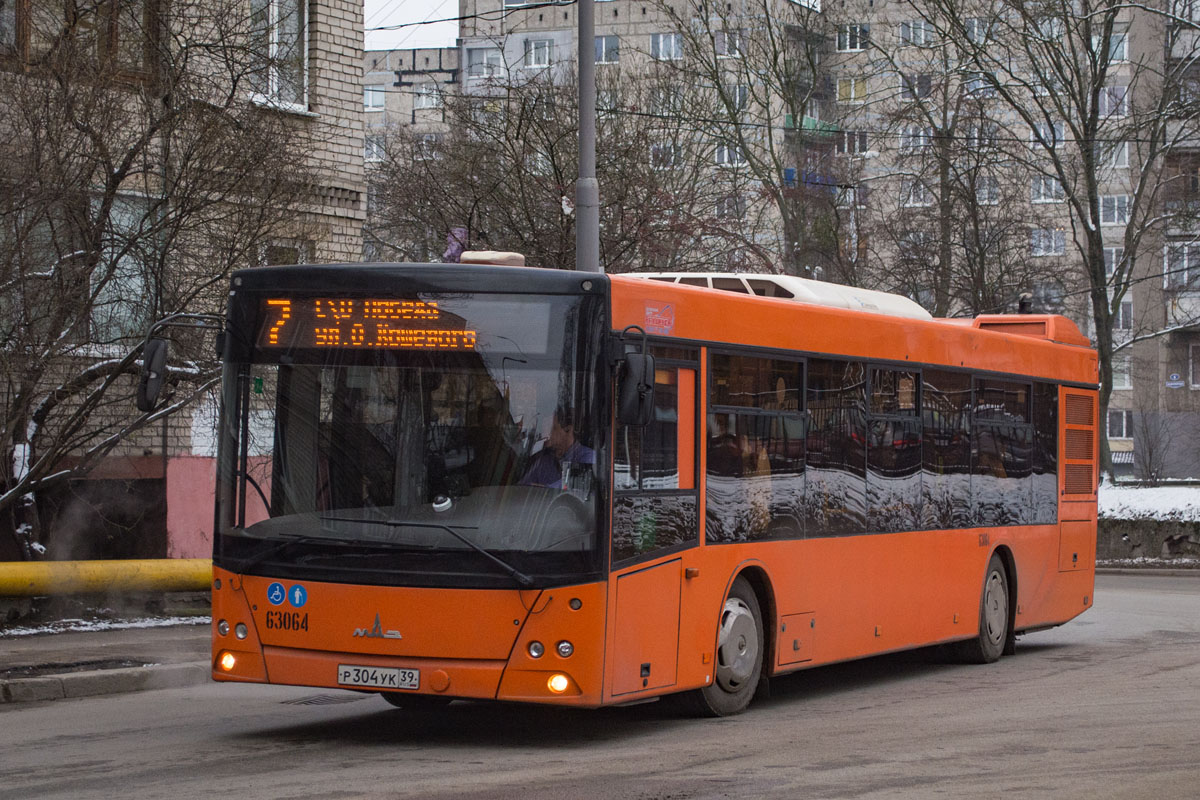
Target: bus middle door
(655,515)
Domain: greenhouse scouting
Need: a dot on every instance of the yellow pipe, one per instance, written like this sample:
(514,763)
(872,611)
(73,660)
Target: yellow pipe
(38,578)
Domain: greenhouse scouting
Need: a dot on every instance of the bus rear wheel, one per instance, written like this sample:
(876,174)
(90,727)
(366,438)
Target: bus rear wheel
(989,643)
(739,656)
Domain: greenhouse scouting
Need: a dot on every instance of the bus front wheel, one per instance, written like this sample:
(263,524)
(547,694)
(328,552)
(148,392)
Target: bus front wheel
(739,655)
(993,634)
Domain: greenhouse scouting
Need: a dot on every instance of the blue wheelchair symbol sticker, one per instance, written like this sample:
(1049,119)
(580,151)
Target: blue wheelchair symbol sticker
(275,594)
(298,596)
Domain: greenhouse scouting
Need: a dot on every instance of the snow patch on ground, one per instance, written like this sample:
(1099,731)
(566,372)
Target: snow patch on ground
(1152,563)
(76,625)
(1160,503)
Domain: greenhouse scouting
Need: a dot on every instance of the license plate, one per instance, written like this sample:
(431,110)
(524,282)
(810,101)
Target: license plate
(378,677)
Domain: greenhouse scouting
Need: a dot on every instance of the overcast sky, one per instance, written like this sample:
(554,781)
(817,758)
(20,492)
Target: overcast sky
(380,13)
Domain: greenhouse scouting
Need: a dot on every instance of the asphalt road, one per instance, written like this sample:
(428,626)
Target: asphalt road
(1105,707)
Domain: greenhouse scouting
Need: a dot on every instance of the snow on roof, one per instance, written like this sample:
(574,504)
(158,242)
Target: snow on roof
(1162,503)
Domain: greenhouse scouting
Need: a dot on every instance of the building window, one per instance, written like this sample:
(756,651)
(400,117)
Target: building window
(1112,258)
(982,135)
(121,34)
(1047,242)
(1114,101)
(732,207)
(853,197)
(852,90)
(375,147)
(978,84)
(729,44)
(915,137)
(987,190)
(1120,422)
(373,97)
(851,38)
(1123,321)
(916,86)
(729,154)
(429,146)
(1114,209)
(428,96)
(1118,44)
(977,29)
(537,52)
(666,101)
(918,32)
(666,46)
(279,30)
(1046,135)
(666,155)
(738,96)
(484,62)
(914,193)
(607,50)
(1182,266)
(1112,154)
(851,142)
(1194,365)
(1046,189)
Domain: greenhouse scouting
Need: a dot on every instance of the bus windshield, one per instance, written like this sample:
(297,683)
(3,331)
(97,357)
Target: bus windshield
(454,443)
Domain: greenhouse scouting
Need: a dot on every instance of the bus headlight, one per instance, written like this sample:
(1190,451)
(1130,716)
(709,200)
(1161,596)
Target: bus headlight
(223,628)
(240,631)
(558,683)
(565,648)
(536,649)
(227,661)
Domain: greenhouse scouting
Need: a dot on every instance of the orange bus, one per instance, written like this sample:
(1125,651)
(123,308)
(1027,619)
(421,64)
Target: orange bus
(441,481)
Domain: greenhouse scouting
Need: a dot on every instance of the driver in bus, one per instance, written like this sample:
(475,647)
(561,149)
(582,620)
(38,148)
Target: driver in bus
(551,464)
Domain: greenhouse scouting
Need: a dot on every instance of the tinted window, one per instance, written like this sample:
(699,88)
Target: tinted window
(893,452)
(946,449)
(1002,454)
(836,448)
(1045,453)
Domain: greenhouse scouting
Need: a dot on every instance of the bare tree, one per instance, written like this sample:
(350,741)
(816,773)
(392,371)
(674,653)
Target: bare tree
(136,176)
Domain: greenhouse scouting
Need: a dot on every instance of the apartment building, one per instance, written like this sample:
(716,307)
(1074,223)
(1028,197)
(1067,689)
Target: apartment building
(889,157)
(214,141)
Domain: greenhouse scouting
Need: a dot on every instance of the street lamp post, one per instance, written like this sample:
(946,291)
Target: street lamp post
(587,190)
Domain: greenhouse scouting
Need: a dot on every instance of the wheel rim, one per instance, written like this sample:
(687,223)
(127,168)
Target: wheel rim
(737,646)
(995,608)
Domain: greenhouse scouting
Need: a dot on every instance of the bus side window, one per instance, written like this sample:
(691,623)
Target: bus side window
(655,503)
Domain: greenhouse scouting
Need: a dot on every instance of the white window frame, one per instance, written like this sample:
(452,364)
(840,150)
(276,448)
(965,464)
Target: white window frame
(373,147)
(666,46)
(1126,417)
(728,154)
(484,62)
(851,143)
(1185,275)
(729,43)
(978,29)
(1052,131)
(1046,189)
(987,190)
(1122,371)
(1114,209)
(856,90)
(914,193)
(374,97)
(1047,242)
(914,138)
(1112,257)
(916,33)
(270,95)
(910,85)
(1118,44)
(666,155)
(606,54)
(538,53)
(1194,366)
(853,37)
(427,96)
(1114,101)
(1124,317)
(731,207)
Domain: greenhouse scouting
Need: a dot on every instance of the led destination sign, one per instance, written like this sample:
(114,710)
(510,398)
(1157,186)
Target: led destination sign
(366,323)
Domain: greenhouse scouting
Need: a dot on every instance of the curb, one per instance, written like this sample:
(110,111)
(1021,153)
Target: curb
(99,682)
(1150,572)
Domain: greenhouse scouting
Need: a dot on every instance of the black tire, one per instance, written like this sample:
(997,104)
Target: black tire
(738,663)
(994,613)
(416,702)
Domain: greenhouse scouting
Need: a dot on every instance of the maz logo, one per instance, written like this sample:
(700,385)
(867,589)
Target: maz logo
(377,632)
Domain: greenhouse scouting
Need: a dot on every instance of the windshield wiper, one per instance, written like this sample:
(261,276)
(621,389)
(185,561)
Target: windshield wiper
(513,572)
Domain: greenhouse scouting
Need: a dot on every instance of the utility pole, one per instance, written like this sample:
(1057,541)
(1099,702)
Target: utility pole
(587,190)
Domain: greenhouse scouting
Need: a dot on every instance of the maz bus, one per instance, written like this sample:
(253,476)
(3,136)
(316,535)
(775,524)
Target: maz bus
(442,481)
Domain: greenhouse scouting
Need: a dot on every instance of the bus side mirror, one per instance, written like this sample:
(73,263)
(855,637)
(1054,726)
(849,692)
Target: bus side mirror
(152,374)
(635,390)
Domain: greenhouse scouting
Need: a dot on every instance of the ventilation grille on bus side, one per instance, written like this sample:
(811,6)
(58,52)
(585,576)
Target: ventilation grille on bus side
(1079,445)
(1080,410)
(1079,452)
